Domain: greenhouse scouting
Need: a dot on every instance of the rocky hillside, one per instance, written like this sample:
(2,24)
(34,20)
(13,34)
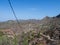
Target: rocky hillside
(36,32)
(32,24)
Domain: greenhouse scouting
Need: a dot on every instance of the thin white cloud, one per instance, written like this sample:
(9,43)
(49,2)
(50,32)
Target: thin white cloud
(33,9)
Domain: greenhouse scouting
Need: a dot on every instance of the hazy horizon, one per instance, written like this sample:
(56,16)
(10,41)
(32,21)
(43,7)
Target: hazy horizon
(29,9)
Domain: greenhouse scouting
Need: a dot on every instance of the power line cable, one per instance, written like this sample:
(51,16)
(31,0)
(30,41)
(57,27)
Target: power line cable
(14,13)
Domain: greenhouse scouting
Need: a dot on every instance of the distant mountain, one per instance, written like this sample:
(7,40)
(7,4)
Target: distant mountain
(32,24)
(58,16)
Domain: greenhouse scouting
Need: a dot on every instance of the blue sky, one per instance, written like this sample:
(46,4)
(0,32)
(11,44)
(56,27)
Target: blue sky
(29,9)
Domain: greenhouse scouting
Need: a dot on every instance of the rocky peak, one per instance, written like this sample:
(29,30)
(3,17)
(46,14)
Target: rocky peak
(58,16)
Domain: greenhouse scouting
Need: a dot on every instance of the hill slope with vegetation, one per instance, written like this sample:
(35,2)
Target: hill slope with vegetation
(34,32)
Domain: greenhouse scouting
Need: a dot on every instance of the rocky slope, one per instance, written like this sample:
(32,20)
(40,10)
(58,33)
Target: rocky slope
(49,26)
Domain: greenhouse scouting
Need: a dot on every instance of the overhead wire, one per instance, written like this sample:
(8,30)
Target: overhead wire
(14,13)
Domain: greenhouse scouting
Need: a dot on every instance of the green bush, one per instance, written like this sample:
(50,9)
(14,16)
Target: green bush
(1,33)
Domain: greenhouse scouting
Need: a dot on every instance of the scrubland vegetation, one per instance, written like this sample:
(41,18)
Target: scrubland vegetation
(31,32)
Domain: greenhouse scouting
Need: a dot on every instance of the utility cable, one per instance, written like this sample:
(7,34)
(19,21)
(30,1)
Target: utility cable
(14,13)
